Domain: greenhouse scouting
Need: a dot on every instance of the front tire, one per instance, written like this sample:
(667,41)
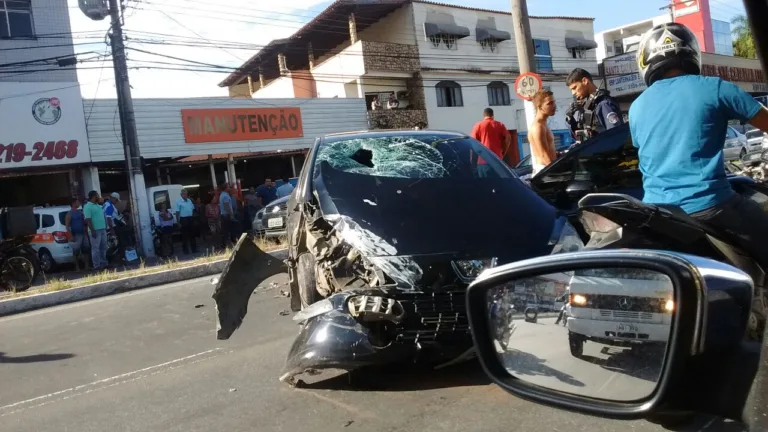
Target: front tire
(47,263)
(305,279)
(576,344)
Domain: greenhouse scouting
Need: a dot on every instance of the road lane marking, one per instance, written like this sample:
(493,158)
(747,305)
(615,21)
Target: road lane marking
(114,380)
(354,410)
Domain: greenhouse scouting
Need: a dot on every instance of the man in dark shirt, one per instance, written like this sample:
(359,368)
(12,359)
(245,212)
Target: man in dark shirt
(266,192)
(595,110)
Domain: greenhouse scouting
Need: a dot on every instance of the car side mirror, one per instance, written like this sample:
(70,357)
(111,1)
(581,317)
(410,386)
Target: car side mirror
(577,189)
(643,333)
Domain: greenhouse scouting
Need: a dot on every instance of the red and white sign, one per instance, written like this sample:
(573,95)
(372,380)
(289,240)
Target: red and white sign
(683,8)
(527,84)
(42,124)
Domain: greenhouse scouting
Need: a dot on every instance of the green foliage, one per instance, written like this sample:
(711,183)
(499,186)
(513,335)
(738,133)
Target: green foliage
(743,43)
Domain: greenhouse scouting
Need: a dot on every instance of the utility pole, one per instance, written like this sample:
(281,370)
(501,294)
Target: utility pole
(525,51)
(140,212)
(671,7)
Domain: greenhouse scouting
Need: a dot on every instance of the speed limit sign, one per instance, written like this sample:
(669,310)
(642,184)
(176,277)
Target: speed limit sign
(527,84)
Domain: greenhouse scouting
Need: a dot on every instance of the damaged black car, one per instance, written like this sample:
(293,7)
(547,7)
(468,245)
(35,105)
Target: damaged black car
(385,232)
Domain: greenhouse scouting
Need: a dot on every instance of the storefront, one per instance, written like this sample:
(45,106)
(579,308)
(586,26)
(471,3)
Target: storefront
(43,143)
(207,141)
(625,84)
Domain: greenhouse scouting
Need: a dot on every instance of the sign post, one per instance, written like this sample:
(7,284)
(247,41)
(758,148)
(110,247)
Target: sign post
(527,84)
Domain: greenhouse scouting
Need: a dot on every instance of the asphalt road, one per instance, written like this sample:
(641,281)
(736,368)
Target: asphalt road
(149,361)
(539,353)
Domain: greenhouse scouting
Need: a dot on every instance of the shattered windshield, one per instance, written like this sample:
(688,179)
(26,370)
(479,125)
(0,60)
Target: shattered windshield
(412,156)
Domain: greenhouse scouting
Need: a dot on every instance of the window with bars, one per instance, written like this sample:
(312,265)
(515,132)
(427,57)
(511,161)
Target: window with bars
(449,94)
(543,55)
(498,94)
(16,19)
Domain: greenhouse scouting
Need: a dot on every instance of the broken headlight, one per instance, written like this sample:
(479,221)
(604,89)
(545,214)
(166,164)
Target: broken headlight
(313,310)
(565,238)
(469,270)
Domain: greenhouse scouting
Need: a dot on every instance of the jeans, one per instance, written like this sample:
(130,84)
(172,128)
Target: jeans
(99,249)
(745,221)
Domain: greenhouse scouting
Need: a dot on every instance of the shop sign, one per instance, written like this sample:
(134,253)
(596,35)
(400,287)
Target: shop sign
(733,74)
(625,84)
(41,124)
(621,64)
(241,124)
(683,8)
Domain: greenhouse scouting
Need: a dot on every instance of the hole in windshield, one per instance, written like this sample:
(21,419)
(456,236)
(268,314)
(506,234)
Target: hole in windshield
(405,156)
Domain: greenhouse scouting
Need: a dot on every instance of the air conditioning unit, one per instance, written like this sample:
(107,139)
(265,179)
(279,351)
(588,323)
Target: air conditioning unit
(94,9)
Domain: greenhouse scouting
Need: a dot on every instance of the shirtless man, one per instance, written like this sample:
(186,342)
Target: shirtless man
(540,138)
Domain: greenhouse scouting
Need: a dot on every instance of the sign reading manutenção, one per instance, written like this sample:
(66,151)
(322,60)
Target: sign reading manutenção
(241,124)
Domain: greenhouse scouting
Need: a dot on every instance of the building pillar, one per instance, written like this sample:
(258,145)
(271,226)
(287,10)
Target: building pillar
(213,172)
(91,181)
(293,166)
(352,29)
(159,176)
(311,55)
(282,64)
(74,183)
(250,85)
(231,170)
(261,79)
(168,176)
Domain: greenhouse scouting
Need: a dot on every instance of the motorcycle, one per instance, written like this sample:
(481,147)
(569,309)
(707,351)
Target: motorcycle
(627,223)
(755,164)
(19,264)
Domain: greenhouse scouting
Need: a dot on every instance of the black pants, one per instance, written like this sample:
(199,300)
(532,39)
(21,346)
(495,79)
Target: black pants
(188,234)
(228,231)
(745,221)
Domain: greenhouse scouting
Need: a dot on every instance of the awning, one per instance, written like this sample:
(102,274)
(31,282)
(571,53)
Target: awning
(579,43)
(433,29)
(484,34)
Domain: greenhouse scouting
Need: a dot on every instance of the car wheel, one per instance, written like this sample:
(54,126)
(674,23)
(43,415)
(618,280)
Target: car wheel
(305,279)
(743,153)
(46,261)
(576,343)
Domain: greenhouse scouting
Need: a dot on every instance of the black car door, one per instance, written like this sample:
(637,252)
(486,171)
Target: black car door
(607,163)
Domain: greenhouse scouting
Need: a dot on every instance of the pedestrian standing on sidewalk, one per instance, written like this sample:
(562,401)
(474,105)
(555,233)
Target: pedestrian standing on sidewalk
(185,214)
(75,222)
(97,227)
(494,136)
(228,219)
(213,216)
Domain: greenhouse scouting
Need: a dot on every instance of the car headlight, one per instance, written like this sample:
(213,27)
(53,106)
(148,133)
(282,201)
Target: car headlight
(669,306)
(275,209)
(565,238)
(577,300)
(469,270)
(318,308)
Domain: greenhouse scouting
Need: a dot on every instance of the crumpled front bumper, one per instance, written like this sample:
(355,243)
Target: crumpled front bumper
(334,339)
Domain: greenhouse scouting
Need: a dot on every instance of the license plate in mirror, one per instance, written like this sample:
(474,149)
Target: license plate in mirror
(627,328)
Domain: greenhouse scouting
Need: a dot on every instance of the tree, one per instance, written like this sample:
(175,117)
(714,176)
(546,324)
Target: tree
(743,44)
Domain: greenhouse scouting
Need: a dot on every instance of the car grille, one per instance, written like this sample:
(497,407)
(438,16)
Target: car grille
(632,304)
(268,214)
(434,317)
(639,316)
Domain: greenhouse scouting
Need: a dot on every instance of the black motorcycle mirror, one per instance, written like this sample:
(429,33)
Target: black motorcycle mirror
(640,332)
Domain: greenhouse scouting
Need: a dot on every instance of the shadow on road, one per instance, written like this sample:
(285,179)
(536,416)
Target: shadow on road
(521,363)
(37,358)
(643,364)
(401,378)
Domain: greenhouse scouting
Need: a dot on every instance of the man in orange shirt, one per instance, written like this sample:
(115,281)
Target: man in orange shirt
(494,136)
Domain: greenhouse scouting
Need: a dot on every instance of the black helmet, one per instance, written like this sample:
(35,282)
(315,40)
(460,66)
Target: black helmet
(665,47)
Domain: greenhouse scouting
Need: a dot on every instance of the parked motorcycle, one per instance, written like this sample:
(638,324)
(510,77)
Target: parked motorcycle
(626,222)
(19,264)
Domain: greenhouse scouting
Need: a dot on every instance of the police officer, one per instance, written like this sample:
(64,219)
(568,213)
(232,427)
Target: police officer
(594,110)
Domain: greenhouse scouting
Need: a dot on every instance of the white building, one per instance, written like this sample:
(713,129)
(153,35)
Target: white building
(444,64)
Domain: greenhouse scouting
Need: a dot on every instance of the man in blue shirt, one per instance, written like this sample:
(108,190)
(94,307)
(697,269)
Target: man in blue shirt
(679,126)
(266,192)
(227,212)
(185,214)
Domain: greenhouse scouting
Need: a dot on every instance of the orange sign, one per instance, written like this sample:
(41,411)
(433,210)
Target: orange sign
(240,124)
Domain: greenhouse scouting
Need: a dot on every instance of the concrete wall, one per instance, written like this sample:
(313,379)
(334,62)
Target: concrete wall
(332,74)
(469,54)
(51,26)
(396,28)
(281,87)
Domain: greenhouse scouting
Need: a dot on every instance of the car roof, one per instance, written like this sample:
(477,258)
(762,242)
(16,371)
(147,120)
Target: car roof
(392,133)
(51,209)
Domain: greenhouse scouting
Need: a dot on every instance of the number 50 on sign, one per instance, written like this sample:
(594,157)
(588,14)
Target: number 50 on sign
(527,84)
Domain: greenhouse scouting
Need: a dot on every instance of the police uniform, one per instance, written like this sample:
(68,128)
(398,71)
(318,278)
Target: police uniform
(593,115)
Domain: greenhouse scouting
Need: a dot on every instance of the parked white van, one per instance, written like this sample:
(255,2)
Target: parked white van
(624,307)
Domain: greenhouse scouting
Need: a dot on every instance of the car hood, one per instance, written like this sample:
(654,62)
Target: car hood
(473,218)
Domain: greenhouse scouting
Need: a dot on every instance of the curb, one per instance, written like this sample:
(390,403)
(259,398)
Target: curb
(117,286)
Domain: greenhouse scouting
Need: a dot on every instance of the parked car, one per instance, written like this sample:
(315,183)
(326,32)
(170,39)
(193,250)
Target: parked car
(756,140)
(735,144)
(274,217)
(51,242)
(375,261)
(256,226)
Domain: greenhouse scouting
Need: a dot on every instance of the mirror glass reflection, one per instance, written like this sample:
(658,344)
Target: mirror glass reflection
(599,332)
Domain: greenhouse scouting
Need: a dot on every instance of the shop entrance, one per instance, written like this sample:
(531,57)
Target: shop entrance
(42,188)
